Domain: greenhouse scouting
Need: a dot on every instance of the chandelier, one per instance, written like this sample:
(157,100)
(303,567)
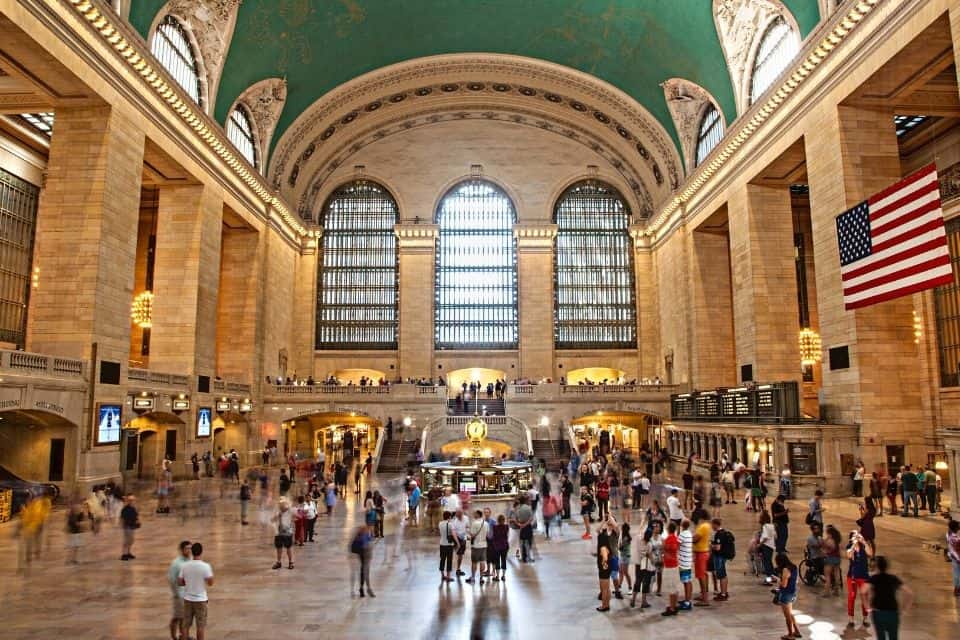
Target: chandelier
(142,310)
(810,347)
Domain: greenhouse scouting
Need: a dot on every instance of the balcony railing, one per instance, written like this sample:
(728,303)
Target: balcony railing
(777,403)
(158,378)
(224,386)
(41,365)
(618,388)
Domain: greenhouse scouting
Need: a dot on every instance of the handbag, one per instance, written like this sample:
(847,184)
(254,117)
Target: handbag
(776,596)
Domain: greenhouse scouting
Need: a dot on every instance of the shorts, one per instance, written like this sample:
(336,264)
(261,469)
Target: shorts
(786,598)
(478,554)
(671,581)
(282,542)
(194,611)
(614,567)
(461,546)
(700,561)
(604,574)
(686,576)
(128,535)
(832,560)
(719,567)
(177,608)
(644,576)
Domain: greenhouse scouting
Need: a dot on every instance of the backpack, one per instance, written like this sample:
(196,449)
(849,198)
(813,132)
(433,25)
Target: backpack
(356,546)
(728,547)
(748,482)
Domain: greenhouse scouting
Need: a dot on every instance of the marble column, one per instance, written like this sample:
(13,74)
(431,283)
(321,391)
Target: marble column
(535,283)
(417,245)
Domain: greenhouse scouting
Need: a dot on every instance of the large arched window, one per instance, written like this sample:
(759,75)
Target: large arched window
(476,271)
(595,299)
(778,47)
(240,132)
(710,133)
(171,46)
(357,283)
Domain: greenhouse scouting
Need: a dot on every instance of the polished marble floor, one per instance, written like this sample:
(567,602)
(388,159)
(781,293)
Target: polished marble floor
(555,598)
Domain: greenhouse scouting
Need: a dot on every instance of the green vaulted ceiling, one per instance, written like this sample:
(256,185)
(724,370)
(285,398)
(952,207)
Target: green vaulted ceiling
(320,44)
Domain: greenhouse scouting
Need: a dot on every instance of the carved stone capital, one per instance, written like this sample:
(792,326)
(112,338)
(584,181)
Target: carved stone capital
(416,238)
(534,237)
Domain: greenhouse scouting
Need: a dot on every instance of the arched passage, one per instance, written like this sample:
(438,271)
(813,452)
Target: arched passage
(596,375)
(37,446)
(603,431)
(150,437)
(342,436)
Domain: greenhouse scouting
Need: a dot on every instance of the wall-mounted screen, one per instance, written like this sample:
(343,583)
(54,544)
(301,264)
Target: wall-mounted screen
(108,423)
(204,418)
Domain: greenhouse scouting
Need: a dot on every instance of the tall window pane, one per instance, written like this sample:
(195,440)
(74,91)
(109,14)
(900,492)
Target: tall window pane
(240,132)
(18,219)
(357,283)
(778,47)
(476,287)
(710,134)
(947,304)
(171,46)
(595,305)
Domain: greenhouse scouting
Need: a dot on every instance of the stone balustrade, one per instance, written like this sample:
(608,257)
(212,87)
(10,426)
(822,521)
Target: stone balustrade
(22,362)
(158,378)
(225,386)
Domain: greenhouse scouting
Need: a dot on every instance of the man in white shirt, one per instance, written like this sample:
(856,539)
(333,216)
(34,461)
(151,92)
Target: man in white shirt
(450,501)
(459,524)
(195,576)
(478,545)
(173,578)
(673,506)
(635,487)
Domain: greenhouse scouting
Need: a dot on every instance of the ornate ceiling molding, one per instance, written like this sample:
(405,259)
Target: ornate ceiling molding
(264,102)
(335,157)
(688,102)
(502,83)
(211,22)
(740,25)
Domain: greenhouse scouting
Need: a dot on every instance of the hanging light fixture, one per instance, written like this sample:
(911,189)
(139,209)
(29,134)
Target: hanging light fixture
(810,347)
(142,310)
(917,327)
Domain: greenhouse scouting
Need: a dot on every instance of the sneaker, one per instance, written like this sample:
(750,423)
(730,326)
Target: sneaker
(618,595)
(668,612)
(866,623)
(371,593)
(685,606)
(460,573)
(469,580)
(586,536)
(644,605)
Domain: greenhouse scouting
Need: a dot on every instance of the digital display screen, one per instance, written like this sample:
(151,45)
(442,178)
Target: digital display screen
(108,423)
(204,419)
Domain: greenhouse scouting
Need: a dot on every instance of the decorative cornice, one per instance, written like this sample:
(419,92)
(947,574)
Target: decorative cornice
(534,230)
(512,77)
(416,238)
(340,155)
(812,55)
(133,52)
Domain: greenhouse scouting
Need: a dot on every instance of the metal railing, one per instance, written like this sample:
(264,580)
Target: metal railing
(39,364)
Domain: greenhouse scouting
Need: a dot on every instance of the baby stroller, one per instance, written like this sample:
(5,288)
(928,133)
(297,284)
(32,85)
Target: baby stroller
(754,561)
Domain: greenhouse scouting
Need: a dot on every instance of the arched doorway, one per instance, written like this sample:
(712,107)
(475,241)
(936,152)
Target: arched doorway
(596,375)
(148,439)
(477,375)
(342,436)
(369,377)
(604,431)
(38,446)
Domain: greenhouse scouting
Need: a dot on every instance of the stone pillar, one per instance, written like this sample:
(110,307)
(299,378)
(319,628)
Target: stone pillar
(851,154)
(648,331)
(305,310)
(238,313)
(186,279)
(416,249)
(765,308)
(86,239)
(535,282)
(711,321)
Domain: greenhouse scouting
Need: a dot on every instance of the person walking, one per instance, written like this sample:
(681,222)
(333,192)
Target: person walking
(310,512)
(908,484)
(604,563)
(284,520)
(478,546)
(380,505)
(447,543)
(787,594)
(526,521)
(195,576)
(625,557)
(245,496)
(75,517)
(642,554)
(831,560)
(501,544)
(815,509)
(362,547)
(859,553)
(768,542)
(176,590)
(882,588)
(723,548)
(330,498)
(953,552)
(876,492)
(781,521)
(671,572)
(586,508)
(130,522)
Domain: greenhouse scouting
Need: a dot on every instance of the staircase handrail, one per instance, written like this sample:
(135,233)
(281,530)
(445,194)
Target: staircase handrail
(378,449)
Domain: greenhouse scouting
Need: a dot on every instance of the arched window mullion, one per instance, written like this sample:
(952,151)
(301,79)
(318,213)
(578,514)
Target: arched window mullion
(594,292)
(709,134)
(240,133)
(476,269)
(171,47)
(357,294)
(778,47)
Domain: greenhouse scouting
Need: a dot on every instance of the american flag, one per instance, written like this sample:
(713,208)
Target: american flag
(894,243)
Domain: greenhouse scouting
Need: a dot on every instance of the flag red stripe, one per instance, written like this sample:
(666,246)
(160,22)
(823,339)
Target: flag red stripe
(918,175)
(911,270)
(897,257)
(896,293)
(916,231)
(905,218)
(902,202)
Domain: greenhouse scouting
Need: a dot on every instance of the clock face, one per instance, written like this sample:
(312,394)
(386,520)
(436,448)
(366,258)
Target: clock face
(476,430)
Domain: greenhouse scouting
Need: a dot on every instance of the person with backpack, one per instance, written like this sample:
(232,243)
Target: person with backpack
(361,547)
(447,542)
(586,508)
(603,498)
(724,549)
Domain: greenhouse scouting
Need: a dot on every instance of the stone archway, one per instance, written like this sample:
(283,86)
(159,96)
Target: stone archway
(38,446)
